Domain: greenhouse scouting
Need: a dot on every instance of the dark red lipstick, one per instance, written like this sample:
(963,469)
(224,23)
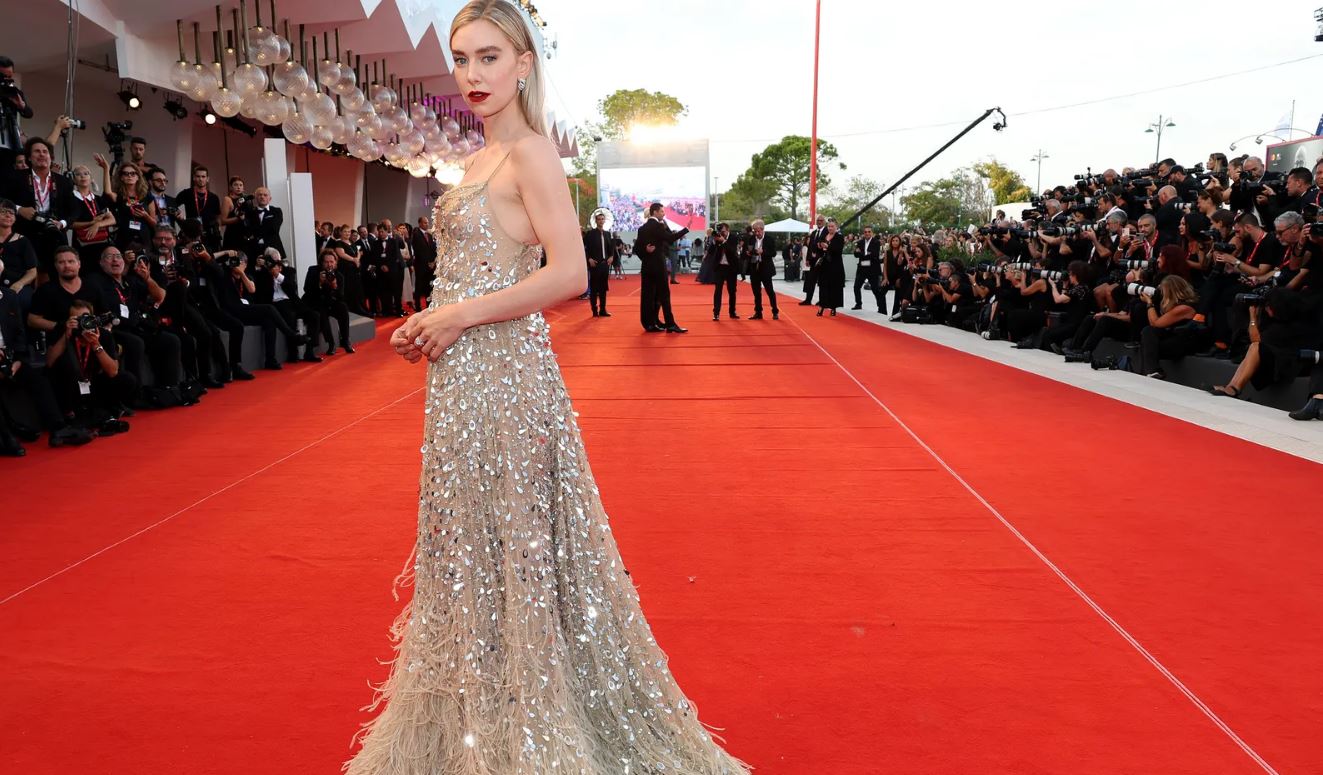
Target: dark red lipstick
(478,96)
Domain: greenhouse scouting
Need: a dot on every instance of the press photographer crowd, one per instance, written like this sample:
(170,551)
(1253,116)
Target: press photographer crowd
(1167,261)
(114,297)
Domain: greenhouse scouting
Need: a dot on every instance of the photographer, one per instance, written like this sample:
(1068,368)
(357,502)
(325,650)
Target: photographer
(86,374)
(279,289)
(45,200)
(205,290)
(1276,339)
(13,106)
(868,250)
(203,207)
(1027,315)
(20,260)
(233,211)
(165,205)
(91,218)
(199,339)
(1167,218)
(133,206)
(323,291)
(1172,331)
(1289,196)
(131,297)
(51,301)
(236,294)
(950,296)
(15,369)
(1246,186)
(1071,303)
(726,264)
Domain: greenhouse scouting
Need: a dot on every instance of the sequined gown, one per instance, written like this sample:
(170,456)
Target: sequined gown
(524,650)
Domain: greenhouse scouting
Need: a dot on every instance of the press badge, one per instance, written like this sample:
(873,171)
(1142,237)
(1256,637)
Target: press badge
(135,225)
(124,311)
(84,387)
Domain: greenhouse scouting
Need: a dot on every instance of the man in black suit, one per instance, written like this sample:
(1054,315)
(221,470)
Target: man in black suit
(323,290)
(424,262)
(262,224)
(810,274)
(868,249)
(278,286)
(762,249)
(389,264)
(726,266)
(601,251)
(654,238)
(45,204)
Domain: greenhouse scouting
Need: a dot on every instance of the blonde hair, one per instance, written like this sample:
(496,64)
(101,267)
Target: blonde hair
(1176,290)
(510,21)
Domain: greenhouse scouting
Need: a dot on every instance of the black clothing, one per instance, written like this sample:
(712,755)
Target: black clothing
(869,270)
(386,264)
(291,308)
(424,266)
(261,227)
(18,257)
(830,269)
(323,293)
(236,234)
(166,209)
(52,302)
(89,248)
(52,200)
(1168,217)
(762,272)
(204,208)
(727,274)
(655,298)
(600,252)
(132,229)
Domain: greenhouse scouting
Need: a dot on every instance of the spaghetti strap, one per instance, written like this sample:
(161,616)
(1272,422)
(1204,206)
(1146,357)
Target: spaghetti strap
(498,167)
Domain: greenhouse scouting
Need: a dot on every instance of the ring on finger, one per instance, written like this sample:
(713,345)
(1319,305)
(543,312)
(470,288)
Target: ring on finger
(419,341)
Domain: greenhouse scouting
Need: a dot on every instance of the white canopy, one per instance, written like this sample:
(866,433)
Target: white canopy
(790,225)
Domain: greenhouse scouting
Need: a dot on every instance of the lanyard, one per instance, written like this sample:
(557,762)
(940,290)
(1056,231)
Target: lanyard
(198,206)
(122,298)
(42,195)
(1250,259)
(84,355)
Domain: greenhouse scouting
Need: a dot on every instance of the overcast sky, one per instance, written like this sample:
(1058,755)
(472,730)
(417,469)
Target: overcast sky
(744,70)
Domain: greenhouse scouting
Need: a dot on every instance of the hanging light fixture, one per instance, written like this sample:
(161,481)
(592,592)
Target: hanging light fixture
(204,78)
(248,79)
(226,102)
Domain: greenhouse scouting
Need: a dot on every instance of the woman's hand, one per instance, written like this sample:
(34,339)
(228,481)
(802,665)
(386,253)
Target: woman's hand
(436,329)
(404,346)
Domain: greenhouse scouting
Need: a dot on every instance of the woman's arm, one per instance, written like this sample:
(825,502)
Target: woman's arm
(540,181)
(227,217)
(151,212)
(1177,314)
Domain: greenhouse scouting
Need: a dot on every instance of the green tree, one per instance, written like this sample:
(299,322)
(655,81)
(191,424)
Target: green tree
(618,111)
(750,197)
(958,200)
(858,192)
(1005,183)
(786,166)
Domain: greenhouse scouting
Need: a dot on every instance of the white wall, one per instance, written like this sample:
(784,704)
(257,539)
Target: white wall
(337,185)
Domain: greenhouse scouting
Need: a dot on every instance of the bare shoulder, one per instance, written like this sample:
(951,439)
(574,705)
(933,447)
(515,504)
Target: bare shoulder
(537,155)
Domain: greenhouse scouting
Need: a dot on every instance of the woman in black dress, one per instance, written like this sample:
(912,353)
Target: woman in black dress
(231,217)
(347,263)
(831,270)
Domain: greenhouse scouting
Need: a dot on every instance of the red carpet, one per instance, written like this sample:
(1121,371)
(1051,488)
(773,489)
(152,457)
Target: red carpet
(209,593)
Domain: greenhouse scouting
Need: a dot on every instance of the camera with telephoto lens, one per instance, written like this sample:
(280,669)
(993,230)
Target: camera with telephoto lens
(1255,187)
(1311,356)
(1032,214)
(328,275)
(77,123)
(46,222)
(1316,229)
(116,132)
(994,230)
(91,322)
(1134,264)
(1024,233)
(927,276)
(230,261)
(1224,247)
(1254,298)
(1139,289)
(1047,274)
(983,267)
(266,260)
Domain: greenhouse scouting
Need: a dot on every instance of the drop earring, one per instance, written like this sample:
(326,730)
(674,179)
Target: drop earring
(522,84)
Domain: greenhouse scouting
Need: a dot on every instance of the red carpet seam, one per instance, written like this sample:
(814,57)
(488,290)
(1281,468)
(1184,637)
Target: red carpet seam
(205,498)
(1190,695)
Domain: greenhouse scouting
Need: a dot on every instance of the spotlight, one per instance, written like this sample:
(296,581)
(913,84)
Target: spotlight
(129,99)
(207,116)
(176,108)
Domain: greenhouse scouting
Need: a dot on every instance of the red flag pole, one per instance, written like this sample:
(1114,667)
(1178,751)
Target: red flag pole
(813,152)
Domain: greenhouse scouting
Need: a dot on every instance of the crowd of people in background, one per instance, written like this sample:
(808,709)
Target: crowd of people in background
(1167,262)
(118,293)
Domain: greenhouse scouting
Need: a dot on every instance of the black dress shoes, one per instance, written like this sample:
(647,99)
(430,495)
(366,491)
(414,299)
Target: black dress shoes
(311,357)
(24,432)
(653,329)
(756,316)
(238,372)
(806,303)
(675,330)
(604,314)
(272,366)
(857,306)
(776,314)
(348,348)
(1312,410)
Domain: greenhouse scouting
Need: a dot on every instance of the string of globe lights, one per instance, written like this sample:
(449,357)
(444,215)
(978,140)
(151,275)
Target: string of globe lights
(325,100)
